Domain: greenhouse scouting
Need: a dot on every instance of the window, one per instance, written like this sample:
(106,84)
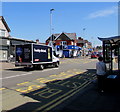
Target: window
(63,43)
(2,32)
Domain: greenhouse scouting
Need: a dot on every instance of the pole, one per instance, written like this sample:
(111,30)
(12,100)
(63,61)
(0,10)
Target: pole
(51,24)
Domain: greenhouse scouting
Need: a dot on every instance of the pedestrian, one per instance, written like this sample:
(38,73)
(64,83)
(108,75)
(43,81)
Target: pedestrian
(101,73)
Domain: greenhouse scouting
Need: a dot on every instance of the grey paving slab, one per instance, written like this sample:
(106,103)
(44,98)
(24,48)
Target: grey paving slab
(12,99)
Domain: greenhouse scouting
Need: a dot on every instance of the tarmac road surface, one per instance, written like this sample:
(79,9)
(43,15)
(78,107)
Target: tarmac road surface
(46,89)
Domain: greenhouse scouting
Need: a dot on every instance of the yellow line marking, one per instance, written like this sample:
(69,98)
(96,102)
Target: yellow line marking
(29,88)
(44,80)
(2,89)
(65,83)
(52,92)
(22,83)
(53,76)
(61,97)
(40,78)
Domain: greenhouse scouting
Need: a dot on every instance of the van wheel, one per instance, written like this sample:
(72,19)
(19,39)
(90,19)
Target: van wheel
(56,64)
(41,67)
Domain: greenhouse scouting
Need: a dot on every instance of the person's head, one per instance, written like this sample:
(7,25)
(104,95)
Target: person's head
(100,58)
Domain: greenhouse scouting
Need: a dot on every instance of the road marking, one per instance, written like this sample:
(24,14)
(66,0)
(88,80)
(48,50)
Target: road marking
(44,80)
(15,76)
(45,70)
(25,74)
(63,98)
(48,92)
(2,89)
(22,83)
(49,69)
(29,88)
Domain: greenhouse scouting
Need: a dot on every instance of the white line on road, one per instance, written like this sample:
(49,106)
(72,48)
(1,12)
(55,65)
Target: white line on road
(45,70)
(49,69)
(26,74)
(15,76)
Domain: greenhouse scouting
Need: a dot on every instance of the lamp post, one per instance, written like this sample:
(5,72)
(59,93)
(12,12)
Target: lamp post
(51,26)
(84,47)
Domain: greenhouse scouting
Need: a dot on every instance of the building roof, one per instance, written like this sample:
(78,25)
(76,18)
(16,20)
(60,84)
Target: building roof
(113,39)
(71,36)
(53,37)
(14,38)
(56,35)
(4,22)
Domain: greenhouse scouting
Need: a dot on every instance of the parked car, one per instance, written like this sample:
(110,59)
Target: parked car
(99,54)
(94,55)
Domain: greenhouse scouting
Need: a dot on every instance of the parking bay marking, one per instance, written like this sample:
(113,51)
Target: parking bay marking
(51,91)
(65,98)
(61,98)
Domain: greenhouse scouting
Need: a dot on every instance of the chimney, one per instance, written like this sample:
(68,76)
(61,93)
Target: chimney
(37,41)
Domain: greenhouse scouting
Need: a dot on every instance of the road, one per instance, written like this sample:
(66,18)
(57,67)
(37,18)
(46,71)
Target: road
(47,86)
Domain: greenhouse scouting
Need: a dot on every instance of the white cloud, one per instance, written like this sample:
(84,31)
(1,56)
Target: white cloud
(103,13)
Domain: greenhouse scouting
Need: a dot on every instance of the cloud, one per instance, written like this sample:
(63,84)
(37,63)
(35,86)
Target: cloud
(103,13)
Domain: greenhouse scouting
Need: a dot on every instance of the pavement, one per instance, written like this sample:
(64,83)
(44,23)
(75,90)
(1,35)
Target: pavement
(6,65)
(88,99)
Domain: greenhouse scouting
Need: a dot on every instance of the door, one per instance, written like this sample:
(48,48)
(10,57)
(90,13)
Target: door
(3,55)
(66,53)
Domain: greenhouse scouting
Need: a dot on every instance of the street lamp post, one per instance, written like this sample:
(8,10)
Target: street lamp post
(84,47)
(51,25)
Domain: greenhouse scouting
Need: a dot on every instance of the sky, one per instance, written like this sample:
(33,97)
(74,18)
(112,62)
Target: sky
(90,20)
